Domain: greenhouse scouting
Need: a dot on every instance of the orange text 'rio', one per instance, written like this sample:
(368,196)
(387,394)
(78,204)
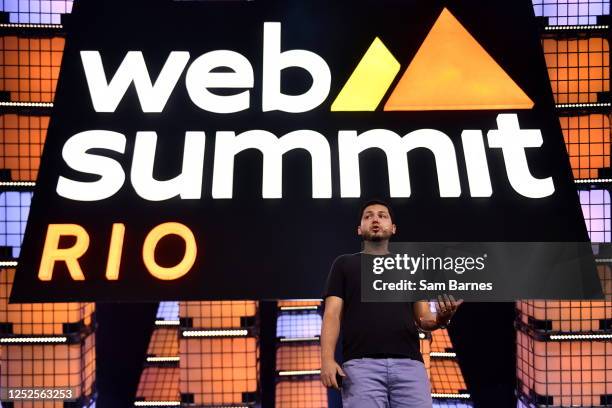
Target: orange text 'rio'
(52,253)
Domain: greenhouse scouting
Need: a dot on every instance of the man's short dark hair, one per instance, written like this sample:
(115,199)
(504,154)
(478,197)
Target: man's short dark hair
(374,202)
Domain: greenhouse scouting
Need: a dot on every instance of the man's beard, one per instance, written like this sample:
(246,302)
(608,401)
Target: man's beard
(367,236)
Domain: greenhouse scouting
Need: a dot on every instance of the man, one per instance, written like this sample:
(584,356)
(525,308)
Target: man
(383,365)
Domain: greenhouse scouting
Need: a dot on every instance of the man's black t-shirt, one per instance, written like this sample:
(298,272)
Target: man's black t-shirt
(370,329)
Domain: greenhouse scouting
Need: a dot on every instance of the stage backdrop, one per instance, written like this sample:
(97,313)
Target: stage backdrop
(221,150)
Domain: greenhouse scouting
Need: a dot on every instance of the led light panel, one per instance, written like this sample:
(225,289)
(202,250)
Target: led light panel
(571,12)
(596,211)
(587,139)
(579,69)
(14,210)
(298,325)
(36,11)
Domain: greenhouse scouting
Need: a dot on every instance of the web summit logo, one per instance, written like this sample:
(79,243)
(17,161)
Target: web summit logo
(449,58)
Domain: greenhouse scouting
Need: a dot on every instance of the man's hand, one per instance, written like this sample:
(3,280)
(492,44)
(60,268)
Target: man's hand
(329,369)
(446,306)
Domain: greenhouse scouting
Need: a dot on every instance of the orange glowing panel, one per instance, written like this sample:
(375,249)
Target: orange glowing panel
(159,384)
(301,394)
(298,303)
(218,371)
(221,314)
(571,316)
(50,366)
(569,373)
(164,342)
(574,316)
(295,357)
(587,139)
(425,347)
(579,69)
(446,377)
(441,341)
(21,143)
(29,67)
(41,319)
(451,71)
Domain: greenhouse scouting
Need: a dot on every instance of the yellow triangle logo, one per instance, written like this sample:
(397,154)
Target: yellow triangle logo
(369,82)
(451,71)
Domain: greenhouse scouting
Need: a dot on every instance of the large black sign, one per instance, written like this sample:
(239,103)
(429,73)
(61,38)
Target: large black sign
(222,149)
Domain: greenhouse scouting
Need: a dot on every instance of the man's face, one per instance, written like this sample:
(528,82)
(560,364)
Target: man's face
(376,224)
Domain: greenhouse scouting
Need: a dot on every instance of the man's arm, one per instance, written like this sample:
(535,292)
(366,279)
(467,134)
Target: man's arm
(445,309)
(330,331)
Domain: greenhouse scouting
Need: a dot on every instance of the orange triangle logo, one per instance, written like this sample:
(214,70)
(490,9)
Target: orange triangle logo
(451,71)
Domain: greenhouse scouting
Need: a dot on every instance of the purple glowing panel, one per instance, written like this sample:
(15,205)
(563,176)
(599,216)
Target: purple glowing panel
(14,210)
(596,211)
(298,325)
(441,403)
(36,11)
(571,12)
(168,311)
